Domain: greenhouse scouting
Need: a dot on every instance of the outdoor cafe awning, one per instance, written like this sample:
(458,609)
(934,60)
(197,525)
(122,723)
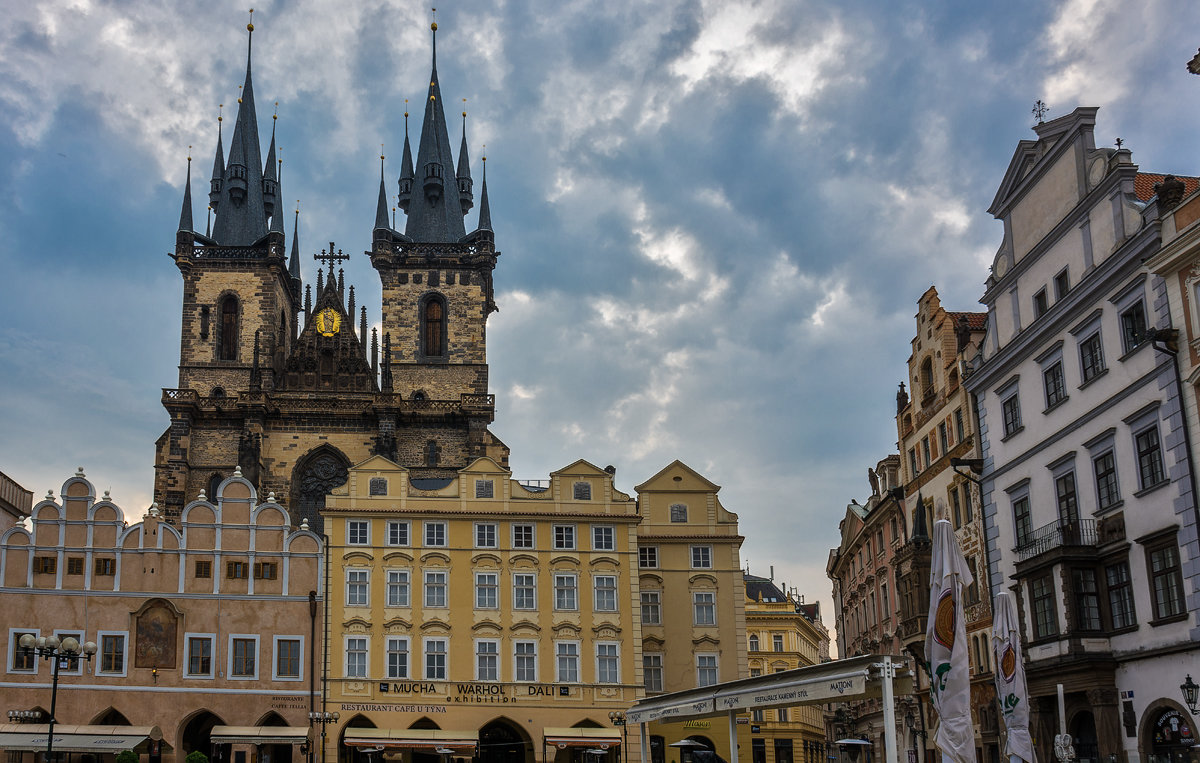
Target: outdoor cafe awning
(258,734)
(32,737)
(577,737)
(413,739)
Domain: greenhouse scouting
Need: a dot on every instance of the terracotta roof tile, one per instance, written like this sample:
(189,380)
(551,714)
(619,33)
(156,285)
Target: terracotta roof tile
(1143,184)
(975,321)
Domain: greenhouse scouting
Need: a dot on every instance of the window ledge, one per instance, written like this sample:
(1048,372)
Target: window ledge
(1123,631)
(1148,490)
(1109,508)
(1099,375)
(1056,405)
(1168,620)
(1013,433)
(1133,351)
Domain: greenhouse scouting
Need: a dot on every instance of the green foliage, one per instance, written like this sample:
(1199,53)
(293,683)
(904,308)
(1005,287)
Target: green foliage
(195,756)
(128,756)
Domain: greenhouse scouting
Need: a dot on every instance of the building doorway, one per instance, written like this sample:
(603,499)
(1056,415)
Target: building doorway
(502,741)
(354,754)
(195,736)
(1172,738)
(1083,731)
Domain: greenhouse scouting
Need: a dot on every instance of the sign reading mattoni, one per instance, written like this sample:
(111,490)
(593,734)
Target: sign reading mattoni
(808,691)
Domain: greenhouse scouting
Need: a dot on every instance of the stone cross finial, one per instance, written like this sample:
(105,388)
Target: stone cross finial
(1039,111)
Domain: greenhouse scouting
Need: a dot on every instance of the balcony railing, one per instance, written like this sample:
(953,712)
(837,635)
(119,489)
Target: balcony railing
(1080,532)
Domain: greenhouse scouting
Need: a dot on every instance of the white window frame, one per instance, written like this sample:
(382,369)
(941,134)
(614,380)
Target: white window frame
(698,606)
(533,588)
(352,525)
(615,657)
(495,530)
(701,557)
(651,551)
(481,587)
(275,675)
(654,605)
(494,654)
(389,650)
(80,635)
(365,585)
(532,534)
(100,653)
(394,525)
(568,534)
(558,656)
(366,653)
(14,644)
(596,590)
(406,586)
(434,526)
(715,668)
(598,531)
(230,656)
(652,669)
(211,638)
(426,654)
(517,657)
(445,586)
(563,577)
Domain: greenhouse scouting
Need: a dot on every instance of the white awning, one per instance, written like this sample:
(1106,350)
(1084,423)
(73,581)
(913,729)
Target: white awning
(258,734)
(32,737)
(413,739)
(578,737)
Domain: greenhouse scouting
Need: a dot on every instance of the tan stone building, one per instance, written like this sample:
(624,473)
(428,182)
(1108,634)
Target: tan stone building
(15,502)
(783,633)
(213,623)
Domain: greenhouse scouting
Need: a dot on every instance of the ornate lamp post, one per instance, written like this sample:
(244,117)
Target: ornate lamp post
(58,652)
(1190,687)
(24,716)
(618,719)
(324,718)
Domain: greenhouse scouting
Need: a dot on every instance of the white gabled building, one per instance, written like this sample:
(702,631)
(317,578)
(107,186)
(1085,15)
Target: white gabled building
(1087,486)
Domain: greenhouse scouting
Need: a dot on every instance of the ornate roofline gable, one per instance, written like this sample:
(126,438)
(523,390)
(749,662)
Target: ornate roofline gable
(1033,156)
(691,480)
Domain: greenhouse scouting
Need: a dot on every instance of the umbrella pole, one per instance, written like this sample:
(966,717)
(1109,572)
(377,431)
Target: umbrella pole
(887,672)
(733,741)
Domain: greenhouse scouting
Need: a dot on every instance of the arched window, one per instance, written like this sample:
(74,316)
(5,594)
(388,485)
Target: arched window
(927,377)
(433,326)
(227,340)
(431,453)
(753,643)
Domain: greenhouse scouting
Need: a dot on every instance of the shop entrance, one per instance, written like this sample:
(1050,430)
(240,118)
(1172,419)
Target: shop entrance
(502,741)
(195,735)
(1172,738)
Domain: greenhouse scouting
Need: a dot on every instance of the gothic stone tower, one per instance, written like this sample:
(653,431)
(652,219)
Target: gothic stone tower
(284,392)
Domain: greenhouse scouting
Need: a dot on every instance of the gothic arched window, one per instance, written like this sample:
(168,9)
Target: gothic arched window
(227,339)
(433,326)
(927,378)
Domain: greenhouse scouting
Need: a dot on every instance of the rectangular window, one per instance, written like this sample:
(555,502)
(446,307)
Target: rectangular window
(678,513)
(487,590)
(435,589)
(485,535)
(605,593)
(943,437)
(566,662)
(582,491)
(203,569)
(484,489)
(243,658)
(1091,357)
(199,656)
(912,461)
(357,532)
(356,587)
(955,508)
(704,608)
(1166,586)
(106,567)
(397,657)
(1011,411)
(566,593)
(266,570)
(651,608)
(652,672)
(435,659)
(356,657)
(112,653)
(701,557)
(522,536)
(777,642)
(236,570)
(525,661)
(398,588)
(487,660)
(75,565)
(925,451)
(1087,599)
(564,537)
(287,657)
(1120,595)
(1045,623)
(1022,521)
(1061,284)
(398,533)
(524,591)
(435,534)
(45,565)
(1149,456)
(1133,326)
(966,497)
(1108,492)
(608,664)
(960,432)
(1040,303)
(603,538)
(648,557)
(1056,385)
(1068,503)
(706,669)
(20,660)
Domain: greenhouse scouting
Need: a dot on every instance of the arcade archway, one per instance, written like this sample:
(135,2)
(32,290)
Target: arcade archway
(503,741)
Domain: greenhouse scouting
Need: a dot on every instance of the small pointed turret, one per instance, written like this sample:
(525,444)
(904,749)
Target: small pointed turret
(465,198)
(218,173)
(920,527)
(381,208)
(185,214)
(485,209)
(270,181)
(294,260)
(241,212)
(362,328)
(406,168)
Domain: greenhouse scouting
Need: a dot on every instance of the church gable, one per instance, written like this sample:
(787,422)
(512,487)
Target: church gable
(328,355)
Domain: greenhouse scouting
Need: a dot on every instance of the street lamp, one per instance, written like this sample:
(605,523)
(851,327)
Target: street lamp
(618,719)
(324,718)
(67,650)
(24,716)
(1189,687)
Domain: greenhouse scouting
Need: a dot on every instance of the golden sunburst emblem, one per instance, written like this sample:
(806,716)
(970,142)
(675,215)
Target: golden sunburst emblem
(328,322)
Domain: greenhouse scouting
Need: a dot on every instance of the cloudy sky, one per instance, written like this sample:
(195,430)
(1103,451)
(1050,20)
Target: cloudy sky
(716,216)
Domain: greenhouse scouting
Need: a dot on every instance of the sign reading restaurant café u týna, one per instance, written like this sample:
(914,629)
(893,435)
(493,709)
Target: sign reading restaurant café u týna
(471,693)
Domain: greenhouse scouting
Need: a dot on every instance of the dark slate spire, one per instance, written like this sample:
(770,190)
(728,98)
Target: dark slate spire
(185,214)
(406,167)
(381,209)
(465,197)
(270,183)
(435,212)
(294,261)
(485,210)
(218,173)
(920,528)
(241,212)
